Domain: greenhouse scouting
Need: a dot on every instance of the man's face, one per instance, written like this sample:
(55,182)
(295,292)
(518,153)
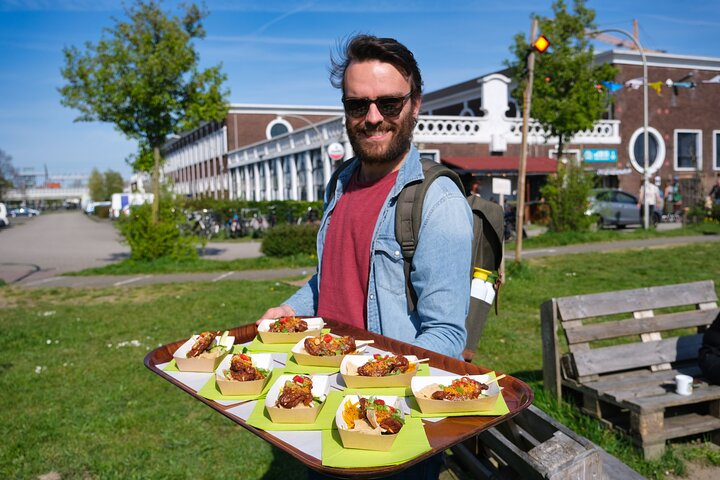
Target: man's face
(378,138)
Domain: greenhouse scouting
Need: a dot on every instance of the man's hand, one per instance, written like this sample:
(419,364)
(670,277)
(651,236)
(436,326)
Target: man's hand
(277,312)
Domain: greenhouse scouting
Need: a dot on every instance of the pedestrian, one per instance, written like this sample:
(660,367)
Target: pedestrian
(715,192)
(360,278)
(653,199)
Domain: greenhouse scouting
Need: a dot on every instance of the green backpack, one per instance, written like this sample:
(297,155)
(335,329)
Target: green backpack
(487,250)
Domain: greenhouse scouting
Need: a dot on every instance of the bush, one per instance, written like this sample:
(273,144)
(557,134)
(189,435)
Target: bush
(161,240)
(286,240)
(566,195)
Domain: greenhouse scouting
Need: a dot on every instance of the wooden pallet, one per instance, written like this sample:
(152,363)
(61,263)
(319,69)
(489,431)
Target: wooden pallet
(532,445)
(623,368)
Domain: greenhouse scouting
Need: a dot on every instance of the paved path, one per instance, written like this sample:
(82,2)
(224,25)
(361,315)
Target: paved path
(35,252)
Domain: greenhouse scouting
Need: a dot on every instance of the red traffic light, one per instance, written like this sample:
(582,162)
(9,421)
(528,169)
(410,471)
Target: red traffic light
(541,44)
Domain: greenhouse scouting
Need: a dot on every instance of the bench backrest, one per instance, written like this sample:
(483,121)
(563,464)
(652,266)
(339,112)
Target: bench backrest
(581,320)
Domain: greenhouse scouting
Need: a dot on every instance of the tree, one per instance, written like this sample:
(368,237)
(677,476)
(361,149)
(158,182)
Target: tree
(114,183)
(7,173)
(565,98)
(143,77)
(96,186)
(566,195)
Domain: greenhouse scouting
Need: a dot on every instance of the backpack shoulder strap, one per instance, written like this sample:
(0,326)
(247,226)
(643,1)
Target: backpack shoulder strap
(408,216)
(332,184)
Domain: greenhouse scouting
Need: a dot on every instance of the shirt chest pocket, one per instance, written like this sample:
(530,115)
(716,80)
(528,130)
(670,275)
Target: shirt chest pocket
(388,265)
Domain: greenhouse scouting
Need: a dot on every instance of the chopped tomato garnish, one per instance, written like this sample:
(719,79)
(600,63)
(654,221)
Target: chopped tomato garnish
(327,338)
(379,402)
(244,357)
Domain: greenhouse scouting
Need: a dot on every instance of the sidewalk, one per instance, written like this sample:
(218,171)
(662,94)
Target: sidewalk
(303,273)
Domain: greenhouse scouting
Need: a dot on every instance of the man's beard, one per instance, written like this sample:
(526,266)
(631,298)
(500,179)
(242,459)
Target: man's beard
(376,154)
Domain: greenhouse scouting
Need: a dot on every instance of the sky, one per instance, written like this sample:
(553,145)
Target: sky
(277,52)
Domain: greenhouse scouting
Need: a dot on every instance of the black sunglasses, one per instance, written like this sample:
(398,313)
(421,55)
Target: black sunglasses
(387,106)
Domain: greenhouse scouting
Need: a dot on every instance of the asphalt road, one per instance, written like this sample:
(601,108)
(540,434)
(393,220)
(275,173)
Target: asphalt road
(35,252)
(39,249)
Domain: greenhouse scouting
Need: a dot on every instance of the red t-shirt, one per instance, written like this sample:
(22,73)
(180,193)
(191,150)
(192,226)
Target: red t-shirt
(346,254)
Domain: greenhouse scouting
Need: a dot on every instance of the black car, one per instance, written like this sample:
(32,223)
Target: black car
(617,208)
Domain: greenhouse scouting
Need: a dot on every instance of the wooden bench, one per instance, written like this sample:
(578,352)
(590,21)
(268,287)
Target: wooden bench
(623,350)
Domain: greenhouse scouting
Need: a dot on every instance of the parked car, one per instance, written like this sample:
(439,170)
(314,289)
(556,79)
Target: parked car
(616,208)
(24,212)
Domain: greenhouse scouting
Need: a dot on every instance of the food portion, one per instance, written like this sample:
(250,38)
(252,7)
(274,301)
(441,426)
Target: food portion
(328,345)
(288,325)
(384,365)
(242,369)
(464,388)
(296,392)
(203,343)
(372,416)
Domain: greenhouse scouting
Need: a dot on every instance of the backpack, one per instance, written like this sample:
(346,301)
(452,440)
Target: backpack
(487,245)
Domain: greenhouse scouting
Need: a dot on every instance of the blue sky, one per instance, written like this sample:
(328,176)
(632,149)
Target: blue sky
(276,52)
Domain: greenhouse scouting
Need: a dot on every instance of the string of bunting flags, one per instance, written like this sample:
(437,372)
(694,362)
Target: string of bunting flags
(636,83)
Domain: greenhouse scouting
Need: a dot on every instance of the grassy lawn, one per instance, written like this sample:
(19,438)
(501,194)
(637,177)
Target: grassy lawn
(77,399)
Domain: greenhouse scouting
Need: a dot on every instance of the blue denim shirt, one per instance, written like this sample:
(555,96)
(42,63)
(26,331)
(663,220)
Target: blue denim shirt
(440,272)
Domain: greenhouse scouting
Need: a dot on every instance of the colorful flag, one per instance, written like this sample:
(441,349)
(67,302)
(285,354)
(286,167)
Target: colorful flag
(612,86)
(657,86)
(634,83)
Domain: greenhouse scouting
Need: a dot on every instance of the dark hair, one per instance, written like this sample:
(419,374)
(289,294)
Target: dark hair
(362,48)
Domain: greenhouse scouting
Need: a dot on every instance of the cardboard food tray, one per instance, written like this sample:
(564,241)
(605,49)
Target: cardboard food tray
(236,387)
(199,364)
(352,362)
(320,389)
(304,358)
(315,325)
(486,401)
(365,440)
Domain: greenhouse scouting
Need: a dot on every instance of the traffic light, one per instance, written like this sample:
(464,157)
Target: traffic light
(541,44)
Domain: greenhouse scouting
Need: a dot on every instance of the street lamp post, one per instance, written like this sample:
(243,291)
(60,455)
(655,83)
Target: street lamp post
(646,137)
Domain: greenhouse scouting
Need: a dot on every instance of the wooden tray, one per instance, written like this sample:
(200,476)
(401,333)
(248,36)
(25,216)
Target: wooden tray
(441,435)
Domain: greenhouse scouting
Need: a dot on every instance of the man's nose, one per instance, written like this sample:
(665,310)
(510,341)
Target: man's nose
(373,115)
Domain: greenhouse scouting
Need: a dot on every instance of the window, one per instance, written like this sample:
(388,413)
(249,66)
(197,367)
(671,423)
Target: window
(277,127)
(656,150)
(688,150)
(716,149)
(622,197)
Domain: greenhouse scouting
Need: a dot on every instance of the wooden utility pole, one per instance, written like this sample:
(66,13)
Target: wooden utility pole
(527,99)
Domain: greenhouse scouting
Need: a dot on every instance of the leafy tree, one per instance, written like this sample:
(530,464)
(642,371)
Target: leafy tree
(143,76)
(114,183)
(7,173)
(565,97)
(566,194)
(96,186)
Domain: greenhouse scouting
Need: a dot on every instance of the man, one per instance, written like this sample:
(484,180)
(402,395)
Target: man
(360,278)
(715,192)
(653,198)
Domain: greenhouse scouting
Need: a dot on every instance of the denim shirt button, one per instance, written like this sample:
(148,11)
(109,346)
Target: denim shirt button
(372,296)
(397,253)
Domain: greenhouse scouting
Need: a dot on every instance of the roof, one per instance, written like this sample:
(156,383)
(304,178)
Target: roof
(535,165)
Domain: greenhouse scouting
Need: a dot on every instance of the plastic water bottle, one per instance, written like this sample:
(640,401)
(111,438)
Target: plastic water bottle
(481,288)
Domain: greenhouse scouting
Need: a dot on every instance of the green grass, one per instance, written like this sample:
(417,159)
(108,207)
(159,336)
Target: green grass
(163,265)
(77,399)
(551,239)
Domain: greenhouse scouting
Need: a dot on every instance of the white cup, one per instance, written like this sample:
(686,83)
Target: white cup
(683,384)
